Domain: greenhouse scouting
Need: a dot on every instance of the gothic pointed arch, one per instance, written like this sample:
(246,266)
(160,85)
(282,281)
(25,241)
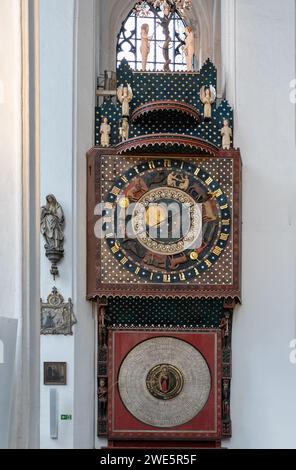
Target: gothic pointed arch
(129,38)
(115,13)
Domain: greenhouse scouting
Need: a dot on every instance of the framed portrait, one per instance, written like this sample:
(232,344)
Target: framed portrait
(55,373)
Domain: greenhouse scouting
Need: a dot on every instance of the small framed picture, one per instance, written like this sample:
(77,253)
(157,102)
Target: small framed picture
(55,373)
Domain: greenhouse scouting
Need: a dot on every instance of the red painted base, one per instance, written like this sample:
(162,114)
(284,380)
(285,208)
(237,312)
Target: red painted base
(164,445)
(203,430)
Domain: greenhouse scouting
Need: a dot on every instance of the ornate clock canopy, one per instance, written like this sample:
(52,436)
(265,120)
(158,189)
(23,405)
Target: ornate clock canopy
(164,257)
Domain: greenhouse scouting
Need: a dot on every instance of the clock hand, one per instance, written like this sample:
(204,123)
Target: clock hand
(171,215)
(154,226)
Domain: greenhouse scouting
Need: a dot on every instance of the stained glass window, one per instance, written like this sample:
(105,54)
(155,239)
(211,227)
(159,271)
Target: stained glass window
(129,41)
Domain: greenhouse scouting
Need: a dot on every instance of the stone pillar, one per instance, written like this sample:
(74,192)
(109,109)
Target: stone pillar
(68,84)
(228,44)
(19,209)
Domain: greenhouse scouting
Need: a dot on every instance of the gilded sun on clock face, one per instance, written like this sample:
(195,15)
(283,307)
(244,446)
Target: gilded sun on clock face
(167,221)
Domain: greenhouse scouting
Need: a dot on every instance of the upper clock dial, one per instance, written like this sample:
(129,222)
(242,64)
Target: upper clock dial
(167,221)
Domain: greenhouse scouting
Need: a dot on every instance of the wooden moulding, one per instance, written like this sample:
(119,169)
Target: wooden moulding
(165,106)
(182,142)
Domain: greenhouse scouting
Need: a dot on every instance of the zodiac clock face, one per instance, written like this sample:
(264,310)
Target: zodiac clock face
(167,221)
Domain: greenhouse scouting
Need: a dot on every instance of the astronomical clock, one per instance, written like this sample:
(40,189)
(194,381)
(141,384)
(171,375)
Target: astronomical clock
(164,259)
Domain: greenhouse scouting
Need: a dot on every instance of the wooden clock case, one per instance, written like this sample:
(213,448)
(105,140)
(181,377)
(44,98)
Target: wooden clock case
(166,122)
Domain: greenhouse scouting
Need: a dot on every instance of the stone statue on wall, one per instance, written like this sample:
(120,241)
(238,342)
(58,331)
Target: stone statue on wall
(125,96)
(124,130)
(226,133)
(145,45)
(52,223)
(189,48)
(207,97)
(105,131)
(52,229)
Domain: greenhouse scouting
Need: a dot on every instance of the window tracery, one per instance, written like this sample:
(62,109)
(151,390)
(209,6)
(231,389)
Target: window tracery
(130,37)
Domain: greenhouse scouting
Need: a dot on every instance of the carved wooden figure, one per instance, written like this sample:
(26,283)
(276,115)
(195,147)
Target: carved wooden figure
(125,96)
(103,394)
(207,97)
(105,131)
(225,330)
(145,45)
(165,23)
(226,133)
(189,48)
(124,130)
(104,321)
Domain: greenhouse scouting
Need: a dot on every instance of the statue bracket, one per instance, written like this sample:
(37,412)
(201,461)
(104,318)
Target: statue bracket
(54,255)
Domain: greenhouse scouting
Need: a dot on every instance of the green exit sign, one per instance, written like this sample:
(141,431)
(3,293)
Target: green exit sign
(66,417)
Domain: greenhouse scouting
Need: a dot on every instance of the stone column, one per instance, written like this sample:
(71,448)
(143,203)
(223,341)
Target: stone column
(19,209)
(228,44)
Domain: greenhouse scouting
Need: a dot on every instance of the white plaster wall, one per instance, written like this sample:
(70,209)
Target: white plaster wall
(259,57)
(67,121)
(264,381)
(10,158)
(57,52)
(18,188)
(10,214)
(263,403)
